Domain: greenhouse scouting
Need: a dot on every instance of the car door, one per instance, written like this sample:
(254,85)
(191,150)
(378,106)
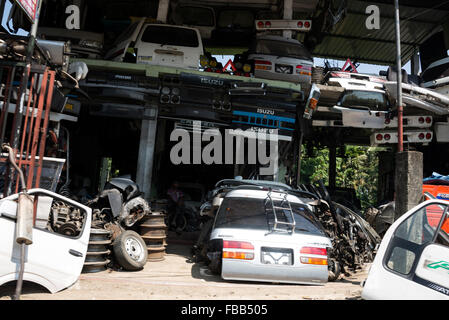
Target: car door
(413,258)
(53,260)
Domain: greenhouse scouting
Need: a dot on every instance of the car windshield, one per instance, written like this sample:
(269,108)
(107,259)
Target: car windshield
(281,49)
(360,98)
(252,213)
(173,36)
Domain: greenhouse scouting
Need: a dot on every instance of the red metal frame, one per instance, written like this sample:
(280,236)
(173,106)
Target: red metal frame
(33,133)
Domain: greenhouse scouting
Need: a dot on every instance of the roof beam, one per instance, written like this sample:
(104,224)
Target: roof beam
(356,13)
(348,37)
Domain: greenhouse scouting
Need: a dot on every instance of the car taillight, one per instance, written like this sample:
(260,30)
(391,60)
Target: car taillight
(310,260)
(421,136)
(387,136)
(313,103)
(267,24)
(262,65)
(379,137)
(260,24)
(262,62)
(300,24)
(307,24)
(314,250)
(305,70)
(428,135)
(428,119)
(238,255)
(237,245)
(421,120)
(387,121)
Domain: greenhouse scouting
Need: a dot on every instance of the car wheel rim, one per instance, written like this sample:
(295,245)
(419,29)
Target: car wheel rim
(134,249)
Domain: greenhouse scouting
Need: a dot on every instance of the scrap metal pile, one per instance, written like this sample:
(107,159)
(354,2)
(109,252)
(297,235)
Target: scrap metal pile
(354,241)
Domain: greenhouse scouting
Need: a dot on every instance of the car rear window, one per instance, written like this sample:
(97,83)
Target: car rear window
(281,49)
(171,36)
(251,213)
(360,98)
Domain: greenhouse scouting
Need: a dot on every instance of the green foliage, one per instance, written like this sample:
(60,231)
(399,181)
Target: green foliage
(357,170)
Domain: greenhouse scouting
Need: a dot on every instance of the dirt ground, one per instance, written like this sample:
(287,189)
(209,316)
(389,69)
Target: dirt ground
(177,278)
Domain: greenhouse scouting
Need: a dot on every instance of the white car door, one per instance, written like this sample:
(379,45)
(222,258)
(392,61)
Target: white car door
(358,118)
(413,259)
(53,260)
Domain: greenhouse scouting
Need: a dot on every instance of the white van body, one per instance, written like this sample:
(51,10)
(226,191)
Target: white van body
(160,44)
(53,260)
(412,262)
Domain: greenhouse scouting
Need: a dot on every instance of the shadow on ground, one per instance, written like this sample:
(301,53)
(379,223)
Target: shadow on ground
(8,290)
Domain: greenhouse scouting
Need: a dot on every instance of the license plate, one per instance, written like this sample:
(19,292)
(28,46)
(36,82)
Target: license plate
(281,256)
(282,68)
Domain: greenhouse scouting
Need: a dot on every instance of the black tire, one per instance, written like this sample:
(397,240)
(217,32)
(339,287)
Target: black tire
(215,266)
(334,270)
(130,251)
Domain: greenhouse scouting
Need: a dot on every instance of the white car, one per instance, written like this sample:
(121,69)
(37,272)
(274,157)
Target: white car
(158,44)
(278,58)
(412,262)
(267,235)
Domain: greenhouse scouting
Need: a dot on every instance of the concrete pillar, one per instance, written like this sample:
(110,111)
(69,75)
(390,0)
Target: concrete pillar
(162,11)
(288,15)
(146,152)
(408,181)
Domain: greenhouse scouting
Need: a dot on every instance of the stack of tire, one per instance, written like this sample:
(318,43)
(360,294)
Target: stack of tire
(154,232)
(98,253)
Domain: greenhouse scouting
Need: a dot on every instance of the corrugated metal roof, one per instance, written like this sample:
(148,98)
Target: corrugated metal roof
(351,39)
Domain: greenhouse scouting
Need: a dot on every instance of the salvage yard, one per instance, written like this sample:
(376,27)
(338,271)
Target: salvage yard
(175,278)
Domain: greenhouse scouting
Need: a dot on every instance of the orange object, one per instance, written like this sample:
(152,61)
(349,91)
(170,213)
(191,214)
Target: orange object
(433,212)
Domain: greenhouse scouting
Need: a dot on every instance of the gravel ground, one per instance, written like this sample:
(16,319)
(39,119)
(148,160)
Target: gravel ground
(177,278)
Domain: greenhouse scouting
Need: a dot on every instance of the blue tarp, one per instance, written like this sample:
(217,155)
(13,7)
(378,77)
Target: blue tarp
(436,179)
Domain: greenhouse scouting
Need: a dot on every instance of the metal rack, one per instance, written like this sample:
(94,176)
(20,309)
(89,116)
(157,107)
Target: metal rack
(283,208)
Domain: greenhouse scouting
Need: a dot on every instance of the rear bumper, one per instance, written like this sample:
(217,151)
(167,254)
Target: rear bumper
(296,274)
(296,78)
